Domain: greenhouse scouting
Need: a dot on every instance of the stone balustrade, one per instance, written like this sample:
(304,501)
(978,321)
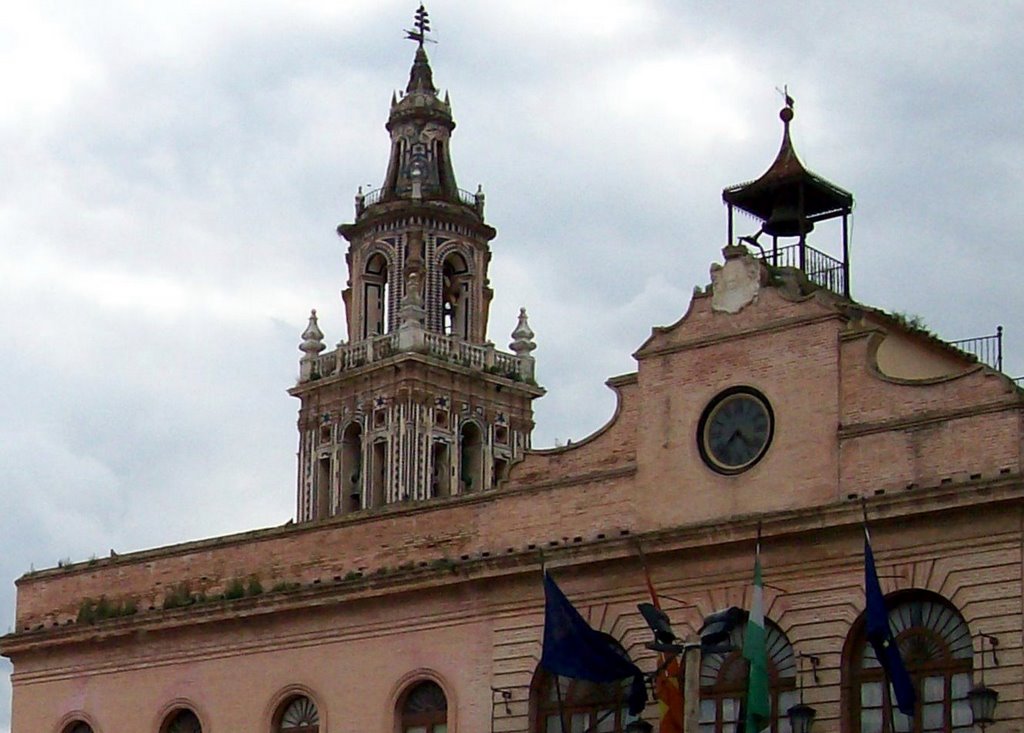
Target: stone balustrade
(347,357)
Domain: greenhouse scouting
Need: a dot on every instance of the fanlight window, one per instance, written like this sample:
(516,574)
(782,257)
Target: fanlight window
(579,706)
(183,721)
(300,716)
(78,727)
(723,683)
(936,647)
(425,709)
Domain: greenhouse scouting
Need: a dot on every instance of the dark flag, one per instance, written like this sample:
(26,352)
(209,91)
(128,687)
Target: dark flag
(573,649)
(880,635)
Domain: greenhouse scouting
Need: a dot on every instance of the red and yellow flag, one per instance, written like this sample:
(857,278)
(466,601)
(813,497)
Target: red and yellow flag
(666,684)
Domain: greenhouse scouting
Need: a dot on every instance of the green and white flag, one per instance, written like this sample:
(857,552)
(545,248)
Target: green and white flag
(755,652)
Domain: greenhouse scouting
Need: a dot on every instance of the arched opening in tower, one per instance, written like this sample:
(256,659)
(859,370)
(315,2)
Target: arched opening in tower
(455,296)
(352,468)
(378,477)
(441,469)
(471,458)
(376,293)
(323,486)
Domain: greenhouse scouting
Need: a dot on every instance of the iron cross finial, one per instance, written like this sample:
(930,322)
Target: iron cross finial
(422,24)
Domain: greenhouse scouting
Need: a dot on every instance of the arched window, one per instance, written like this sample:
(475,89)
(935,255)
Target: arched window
(723,683)
(77,726)
(298,714)
(182,721)
(937,650)
(424,709)
(375,296)
(578,705)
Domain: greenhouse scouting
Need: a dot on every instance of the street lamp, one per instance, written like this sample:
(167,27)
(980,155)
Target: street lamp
(713,639)
(639,725)
(983,698)
(801,716)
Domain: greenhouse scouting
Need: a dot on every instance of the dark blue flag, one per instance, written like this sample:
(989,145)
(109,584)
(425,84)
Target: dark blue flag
(573,649)
(880,636)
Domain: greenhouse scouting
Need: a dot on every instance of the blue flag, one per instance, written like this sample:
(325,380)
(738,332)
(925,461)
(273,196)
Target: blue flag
(880,636)
(573,649)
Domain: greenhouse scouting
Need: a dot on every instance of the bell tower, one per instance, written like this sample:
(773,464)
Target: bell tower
(789,200)
(418,404)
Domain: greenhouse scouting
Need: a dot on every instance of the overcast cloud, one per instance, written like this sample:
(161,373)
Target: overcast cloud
(173,175)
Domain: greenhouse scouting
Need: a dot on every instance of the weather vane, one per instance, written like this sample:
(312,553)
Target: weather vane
(784,92)
(422,24)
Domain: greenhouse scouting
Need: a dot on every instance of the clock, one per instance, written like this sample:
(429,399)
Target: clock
(735,430)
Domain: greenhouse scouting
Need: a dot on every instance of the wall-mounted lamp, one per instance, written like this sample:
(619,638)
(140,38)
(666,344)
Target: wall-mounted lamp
(983,698)
(638,725)
(801,716)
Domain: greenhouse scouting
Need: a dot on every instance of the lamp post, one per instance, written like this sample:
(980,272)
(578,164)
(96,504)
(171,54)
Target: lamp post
(983,698)
(714,637)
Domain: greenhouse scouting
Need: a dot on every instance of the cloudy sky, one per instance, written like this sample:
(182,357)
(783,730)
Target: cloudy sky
(172,175)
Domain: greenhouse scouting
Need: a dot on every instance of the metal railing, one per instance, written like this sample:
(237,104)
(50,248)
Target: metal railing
(820,268)
(377,195)
(987,349)
(373,197)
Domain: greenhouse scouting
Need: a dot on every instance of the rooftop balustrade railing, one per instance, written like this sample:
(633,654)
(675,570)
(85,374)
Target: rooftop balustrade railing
(820,268)
(377,195)
(987,349)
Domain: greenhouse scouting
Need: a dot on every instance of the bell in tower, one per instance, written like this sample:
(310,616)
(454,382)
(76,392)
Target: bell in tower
(789,200)
(418,405)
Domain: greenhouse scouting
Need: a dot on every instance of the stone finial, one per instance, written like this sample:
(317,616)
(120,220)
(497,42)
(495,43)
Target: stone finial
(312,338)
(522,337)
(479,199)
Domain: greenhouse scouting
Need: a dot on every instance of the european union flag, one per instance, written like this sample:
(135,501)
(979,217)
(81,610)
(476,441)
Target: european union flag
(880,636)
(573,649)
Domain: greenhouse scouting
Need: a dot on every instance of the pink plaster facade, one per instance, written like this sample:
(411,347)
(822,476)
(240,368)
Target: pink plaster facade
(354,608)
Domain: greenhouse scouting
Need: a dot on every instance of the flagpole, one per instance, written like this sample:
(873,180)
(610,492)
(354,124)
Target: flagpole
(558,695)
(666,681)
(556,678)
(886,692)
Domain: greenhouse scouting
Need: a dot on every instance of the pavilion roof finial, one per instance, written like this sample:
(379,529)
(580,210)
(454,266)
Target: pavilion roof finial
(422,24)
(786,113)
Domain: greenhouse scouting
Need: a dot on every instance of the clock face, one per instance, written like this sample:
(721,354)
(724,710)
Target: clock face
(735,430)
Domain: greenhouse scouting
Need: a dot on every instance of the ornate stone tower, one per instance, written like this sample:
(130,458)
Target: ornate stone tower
(418,404)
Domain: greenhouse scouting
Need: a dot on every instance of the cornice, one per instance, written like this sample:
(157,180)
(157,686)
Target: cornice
(616,544)
(853,430)
(380,214)
(785,324)
(400,361)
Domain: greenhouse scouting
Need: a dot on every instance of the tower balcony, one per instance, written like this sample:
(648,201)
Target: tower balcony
(450,349)
(474,201)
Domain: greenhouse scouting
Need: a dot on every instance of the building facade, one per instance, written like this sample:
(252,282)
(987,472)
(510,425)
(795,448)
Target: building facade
(407,596)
